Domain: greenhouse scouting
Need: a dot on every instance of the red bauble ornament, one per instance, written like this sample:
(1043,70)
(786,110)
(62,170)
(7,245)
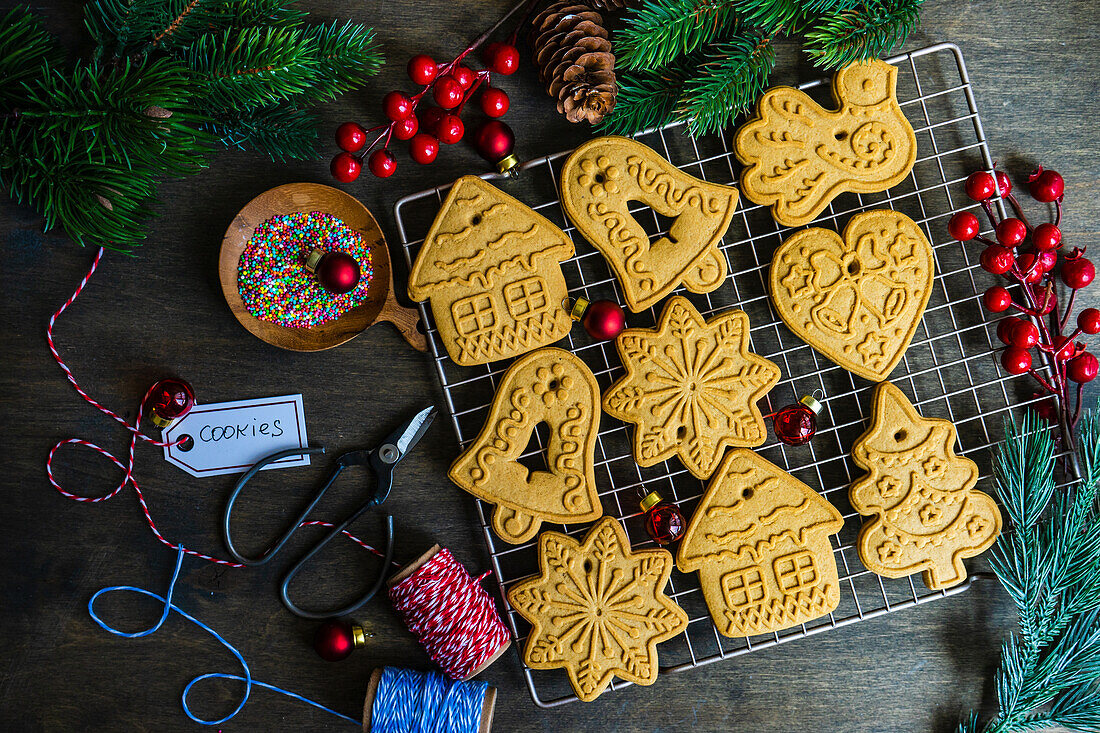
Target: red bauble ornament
(494,102)
(382,163)
(963,226)
(980,186)
(1078,272)
(168,401)
(1088,320)
(406,128)
(447,92)
(1011,232)
(796,424)
(464,75)
(602,319)
(422,69)
(1004,186)
(335,640)
(1046,186)
(1082,368)
(1046,237)
(502,58)
(996,259)
(1031,270)
(338,272)
(429,119)
(450,129)
(351,137)
(997,299)
(396,106)
(345,167)
(423,148)
(1024,334)
(1016,360)
(664,522)
(495,141)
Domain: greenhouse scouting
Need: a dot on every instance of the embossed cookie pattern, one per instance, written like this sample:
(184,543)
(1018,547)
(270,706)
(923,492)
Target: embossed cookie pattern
(800,156)
(598,183)
(857,299)
(598,609)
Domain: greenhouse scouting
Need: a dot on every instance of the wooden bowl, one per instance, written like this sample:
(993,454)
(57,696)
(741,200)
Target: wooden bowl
(380,305)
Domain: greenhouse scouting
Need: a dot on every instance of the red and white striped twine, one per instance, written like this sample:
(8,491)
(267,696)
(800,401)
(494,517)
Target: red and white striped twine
(452,615)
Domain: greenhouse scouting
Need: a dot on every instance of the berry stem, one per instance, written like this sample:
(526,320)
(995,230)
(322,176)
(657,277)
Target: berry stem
(987,207)
(1011,198)
(1057,212)
(1042,382)
(1066,313)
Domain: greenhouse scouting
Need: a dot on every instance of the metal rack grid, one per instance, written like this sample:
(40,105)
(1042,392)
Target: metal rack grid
(948,371)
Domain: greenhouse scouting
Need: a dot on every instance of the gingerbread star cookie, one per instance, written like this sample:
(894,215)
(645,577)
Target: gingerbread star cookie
(598,609)
(691,387)
(926,514)
(858,299)
(552,386)
(800,156)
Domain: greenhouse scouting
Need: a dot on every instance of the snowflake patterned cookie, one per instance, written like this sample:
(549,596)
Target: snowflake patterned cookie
(598,609)
(691,387)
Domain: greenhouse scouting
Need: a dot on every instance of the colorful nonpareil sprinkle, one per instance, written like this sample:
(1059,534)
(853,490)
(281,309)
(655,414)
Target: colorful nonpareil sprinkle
(274,282)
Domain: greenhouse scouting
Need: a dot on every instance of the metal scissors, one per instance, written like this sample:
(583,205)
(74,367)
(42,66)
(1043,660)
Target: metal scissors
(382,460)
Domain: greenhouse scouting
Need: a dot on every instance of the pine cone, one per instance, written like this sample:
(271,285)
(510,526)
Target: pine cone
(613,5)
(573,54)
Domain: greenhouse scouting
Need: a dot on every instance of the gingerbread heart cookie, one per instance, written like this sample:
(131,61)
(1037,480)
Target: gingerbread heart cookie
(927,515)
(800,156)
(857,299)
(598,609)
(691,387)
(599,182)
(552,386)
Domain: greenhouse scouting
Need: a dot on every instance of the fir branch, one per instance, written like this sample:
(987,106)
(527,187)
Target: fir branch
(127,27)
(861,32)
(736,73)
(648,98)
(25,47)
(659,31)
(771,16)
(282,132)
(347,56)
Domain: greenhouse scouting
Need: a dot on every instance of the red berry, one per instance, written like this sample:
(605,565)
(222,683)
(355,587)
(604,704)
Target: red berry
(1004,186)
(1011,232)
(1063,348)
(1078,272)
(1031,271)
(1082,368)
(1046,237)
(494,102)
(963,226)
(1024,334)
(1046,186)
(345,167)
(450,129)
(1088,320)
(1005,328)
(447,92)
(396,106)
(1046,301)
(429,119)
(382,163)
(351,137)
(423,148)
(422,69)
(996,259)
(997,299)
(406,128)
(464,75)
(502,58)
(1016,360)
(1047,259)
(980,186)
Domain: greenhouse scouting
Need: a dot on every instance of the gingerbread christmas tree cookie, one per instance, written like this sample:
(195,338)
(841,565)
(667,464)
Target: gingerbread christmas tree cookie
(927,515)
(491,267)
(597,609)
(760,541)
(691,387)
(599,182)
(858,299)
(551,386)
(800,156)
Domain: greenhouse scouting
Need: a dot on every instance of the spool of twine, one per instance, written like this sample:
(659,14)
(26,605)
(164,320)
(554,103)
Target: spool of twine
(402,700)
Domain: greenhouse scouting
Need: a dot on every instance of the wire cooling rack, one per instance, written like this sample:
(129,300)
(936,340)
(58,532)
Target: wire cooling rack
(949,370)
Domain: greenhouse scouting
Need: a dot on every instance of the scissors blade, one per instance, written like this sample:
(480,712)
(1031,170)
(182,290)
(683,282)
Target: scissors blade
(411,433)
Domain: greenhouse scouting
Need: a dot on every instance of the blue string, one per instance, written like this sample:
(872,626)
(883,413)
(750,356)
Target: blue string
(407,701)
(168,608)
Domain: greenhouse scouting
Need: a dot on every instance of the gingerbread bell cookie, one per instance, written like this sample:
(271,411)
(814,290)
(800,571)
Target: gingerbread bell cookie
(858,299)
(598,609)
(927,516)
(691,387)
(599,182)
(800,156)
(552,386)
(760,542)
(491,267)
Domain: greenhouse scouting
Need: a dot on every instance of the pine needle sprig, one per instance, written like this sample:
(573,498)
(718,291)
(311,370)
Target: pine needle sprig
(660,31)
(771,16)
(737,73)
(254,66)
(280,132)
(347,56)
(860,32)
(25,48)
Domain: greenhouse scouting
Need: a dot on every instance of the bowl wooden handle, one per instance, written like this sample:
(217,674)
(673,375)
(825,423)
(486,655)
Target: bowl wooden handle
(405,320)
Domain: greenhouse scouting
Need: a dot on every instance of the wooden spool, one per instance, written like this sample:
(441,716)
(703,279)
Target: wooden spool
(380,305)
(487,706)
(411,568)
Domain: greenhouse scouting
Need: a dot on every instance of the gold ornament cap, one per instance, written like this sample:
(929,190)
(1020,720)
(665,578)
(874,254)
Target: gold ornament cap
(652,499)
(358,636)
(811,402)
(577,309)
(507,163)
(314,258)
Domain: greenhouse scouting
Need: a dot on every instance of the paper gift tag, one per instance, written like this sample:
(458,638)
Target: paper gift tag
(228,437)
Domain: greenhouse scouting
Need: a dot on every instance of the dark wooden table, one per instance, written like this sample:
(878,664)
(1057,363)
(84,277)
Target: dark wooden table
(1036,74)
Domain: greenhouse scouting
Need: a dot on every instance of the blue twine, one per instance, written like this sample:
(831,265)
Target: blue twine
(408,701)
(168,608)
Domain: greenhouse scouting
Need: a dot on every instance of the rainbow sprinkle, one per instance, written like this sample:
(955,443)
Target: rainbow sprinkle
(274,282)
